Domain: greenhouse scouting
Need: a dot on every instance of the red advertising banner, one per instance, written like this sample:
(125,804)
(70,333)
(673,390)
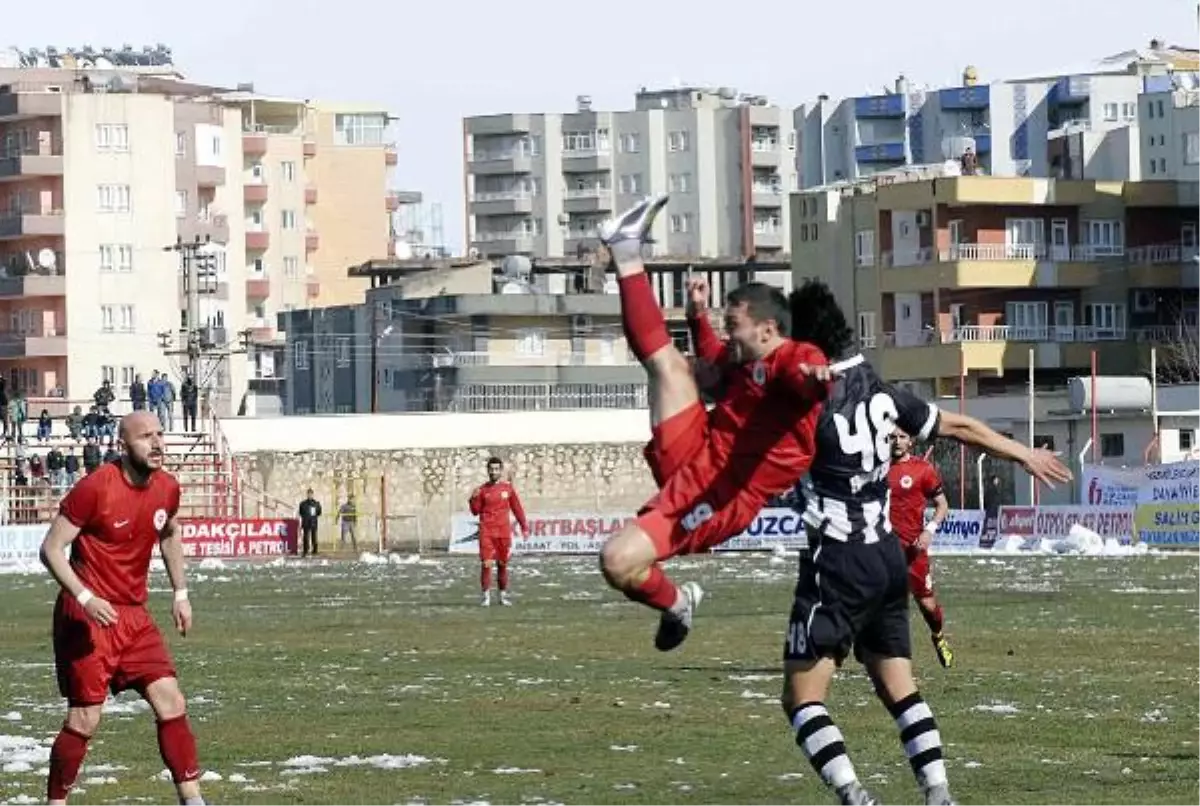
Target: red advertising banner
(238,537)
(1056,521)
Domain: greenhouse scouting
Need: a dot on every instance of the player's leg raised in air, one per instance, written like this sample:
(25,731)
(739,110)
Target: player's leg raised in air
(629,559)
(920,582)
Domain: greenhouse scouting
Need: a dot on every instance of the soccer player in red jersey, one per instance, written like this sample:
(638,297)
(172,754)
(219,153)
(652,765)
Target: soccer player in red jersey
(716,470)
(493,503)
(913,483)
(104,636)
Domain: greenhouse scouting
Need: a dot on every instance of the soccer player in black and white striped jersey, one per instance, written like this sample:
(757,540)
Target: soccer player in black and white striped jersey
(852,591)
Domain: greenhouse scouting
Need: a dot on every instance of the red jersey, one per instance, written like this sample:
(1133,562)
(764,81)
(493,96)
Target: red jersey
(763,430)
(119,526)
(913,482)
(493,502)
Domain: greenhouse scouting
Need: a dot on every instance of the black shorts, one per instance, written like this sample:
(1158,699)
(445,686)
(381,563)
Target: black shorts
(850,595)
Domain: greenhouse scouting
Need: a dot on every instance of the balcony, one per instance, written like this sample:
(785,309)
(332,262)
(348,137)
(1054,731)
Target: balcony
(46,344)
(258,286)
(587,160)
(35,284)
(765,153)
(879,106)
(588,200)
(1163,266)
(254,144)
(391,156)
(580,238)
(258,240)
(599,363)
(310,194)
(768,236)
(964,98)
(501,202)
(767,195)
(255,192)
(880,152)
(28,100)
(484,125)
(19,225)
(503,243)
(1071,90)
(999,348)
(312,241)
(500,162)
(312,289)
(309,147)
(210,176)
(502,358)
(25,166)
(261,333)
(214,225)
(971,265)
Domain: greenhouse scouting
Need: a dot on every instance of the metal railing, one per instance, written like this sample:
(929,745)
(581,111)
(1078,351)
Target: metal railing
(500,195)
(1162,253)
(1055,334)
(271,128)
(492,156)
(552,358)
(546,397)
(586,193)
(503,236)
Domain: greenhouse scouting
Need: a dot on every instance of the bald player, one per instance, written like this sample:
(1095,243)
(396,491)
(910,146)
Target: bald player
(104,637)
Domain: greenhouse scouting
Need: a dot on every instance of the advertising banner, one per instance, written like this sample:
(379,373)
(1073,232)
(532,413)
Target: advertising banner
(21,543)
(1168,524)
(961,531)
(1175,482)
(1055,522)
(238,537)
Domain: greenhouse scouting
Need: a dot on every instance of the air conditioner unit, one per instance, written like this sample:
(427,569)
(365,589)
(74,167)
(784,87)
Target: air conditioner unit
(1144,302)
(922,219)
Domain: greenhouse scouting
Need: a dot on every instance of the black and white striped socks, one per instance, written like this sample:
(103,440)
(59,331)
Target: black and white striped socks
(822,744)
(921,740)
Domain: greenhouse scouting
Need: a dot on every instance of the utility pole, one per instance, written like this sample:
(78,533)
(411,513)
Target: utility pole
(190,257)
(374,357)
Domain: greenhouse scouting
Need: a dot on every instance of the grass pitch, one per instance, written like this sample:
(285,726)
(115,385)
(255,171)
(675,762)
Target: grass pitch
(1076,683)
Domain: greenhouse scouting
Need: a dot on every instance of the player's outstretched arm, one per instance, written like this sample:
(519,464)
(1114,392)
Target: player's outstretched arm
(1042,464)
(171,546)
(53,554)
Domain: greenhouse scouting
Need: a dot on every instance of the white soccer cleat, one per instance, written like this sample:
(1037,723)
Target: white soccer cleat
(486,601)
(634,224)
(674,627)
(504,600)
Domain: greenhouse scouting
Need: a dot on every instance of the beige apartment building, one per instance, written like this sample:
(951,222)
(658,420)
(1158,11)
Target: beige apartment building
(101,170)
(982,275)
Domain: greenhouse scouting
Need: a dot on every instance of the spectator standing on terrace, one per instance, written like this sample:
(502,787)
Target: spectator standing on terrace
(56,467)
(44,426)
(349,517)
(154,396)
(137,393)
(91,456)
(310,515)
(106,424)
(496,502)
(104,396)
(4,406)
(111,454)
(166,412)
(71,463)
(18,413)
(75,422)
(188,395)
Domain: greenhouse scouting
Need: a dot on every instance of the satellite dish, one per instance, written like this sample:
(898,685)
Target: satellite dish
(47,259)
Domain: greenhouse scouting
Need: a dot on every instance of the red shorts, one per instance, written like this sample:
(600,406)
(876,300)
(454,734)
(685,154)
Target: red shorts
(495,549)
(92,660)
(692,512)
(920,577)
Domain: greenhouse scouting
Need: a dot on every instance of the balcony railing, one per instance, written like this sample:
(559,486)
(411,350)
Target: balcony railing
(547,396)
(1162,253)
(271,128)
(515,235)
(586,193)
(907,257)
(764,145)
(1055,334)
(579,233)
(500,195)
(548,358)
(489,156)
(768,189)
(1076,253)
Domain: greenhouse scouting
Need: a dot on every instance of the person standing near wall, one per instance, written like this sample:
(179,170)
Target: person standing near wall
(310,515)
(494,501)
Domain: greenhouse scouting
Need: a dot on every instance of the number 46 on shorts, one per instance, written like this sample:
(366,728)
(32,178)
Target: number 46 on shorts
(797,639)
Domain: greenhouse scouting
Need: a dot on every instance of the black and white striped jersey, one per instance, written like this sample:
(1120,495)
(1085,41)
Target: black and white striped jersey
(845,494)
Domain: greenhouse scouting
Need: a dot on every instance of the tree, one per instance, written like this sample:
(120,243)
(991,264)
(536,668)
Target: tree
(1179,353)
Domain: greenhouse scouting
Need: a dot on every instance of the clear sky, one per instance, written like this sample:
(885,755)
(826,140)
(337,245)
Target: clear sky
(433,63)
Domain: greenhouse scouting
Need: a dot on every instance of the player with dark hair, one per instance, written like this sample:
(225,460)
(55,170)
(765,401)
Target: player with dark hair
(714,471)
(852,590)
(913,482)
(104,637)
(494,501)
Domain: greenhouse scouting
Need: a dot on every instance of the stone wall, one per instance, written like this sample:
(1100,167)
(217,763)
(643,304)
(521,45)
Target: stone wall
(424,487)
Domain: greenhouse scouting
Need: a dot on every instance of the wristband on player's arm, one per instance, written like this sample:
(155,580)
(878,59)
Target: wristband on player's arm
(84,596)
(933,526)
(181,595)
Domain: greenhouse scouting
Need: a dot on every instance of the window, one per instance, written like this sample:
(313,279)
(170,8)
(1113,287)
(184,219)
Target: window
(679,183)
(300,354)
(866,329)
(342,354)
(288,219)
(128,373)
(864,247)
(112,137)
(291,267)
(113,198)
(1043,441)
(1026,321)
(359,130)
(1187,438)
(1107,319)
(108,373)
(125,318)
(1112,446)
(287,170)
(587,141)
(1129,111)
(804,232)
(630,143)
(1191,148)
(181,197)
(116,257)
(531,342)
(258,173)
(678,141)
(1158,106)
(1024,235)
(1162,165)
(1104,236)
(681,223)
(1112,112)
(630,184)
(180,144)
(116,318)
(107,319)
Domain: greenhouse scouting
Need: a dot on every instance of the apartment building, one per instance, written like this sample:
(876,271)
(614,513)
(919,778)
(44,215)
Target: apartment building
(982,275)
(1008,123)
(1169,123)
(541,184)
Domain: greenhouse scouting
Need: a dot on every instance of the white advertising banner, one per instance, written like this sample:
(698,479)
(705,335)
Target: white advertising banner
(961,531)
(1172,483)
(21,543)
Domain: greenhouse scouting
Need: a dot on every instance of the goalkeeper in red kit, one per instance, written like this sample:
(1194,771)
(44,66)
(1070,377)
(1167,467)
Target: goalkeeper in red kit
(104,637)
(913,483)
(494,502)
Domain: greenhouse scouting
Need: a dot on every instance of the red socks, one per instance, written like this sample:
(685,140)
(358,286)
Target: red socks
(502,576)
(485,577)
(178,748)
(934,619)
(645,327)
(66,757)
(657,591)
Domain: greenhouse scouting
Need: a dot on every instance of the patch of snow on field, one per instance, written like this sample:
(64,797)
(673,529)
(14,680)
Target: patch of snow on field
(998,708)
(21,753)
